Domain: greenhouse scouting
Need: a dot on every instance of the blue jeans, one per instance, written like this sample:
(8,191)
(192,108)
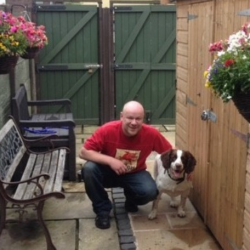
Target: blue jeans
(139,188)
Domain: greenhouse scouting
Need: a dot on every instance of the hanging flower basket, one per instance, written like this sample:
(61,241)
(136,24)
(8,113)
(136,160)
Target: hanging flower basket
(7,63)
(30,52)
(242,102)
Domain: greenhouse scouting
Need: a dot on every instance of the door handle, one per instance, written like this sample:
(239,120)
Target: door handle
(208,115)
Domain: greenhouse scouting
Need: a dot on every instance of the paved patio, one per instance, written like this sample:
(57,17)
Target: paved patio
(72,227)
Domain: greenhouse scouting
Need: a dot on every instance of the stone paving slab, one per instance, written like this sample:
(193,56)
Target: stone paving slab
(92,238)
(70,221)
(30,236)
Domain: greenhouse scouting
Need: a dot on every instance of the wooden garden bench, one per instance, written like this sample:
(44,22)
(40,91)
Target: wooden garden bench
(28,178)
(34,125)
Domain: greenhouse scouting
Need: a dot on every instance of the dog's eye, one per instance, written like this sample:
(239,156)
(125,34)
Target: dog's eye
(174,157)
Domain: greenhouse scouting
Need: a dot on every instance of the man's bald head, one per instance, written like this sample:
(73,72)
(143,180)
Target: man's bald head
(132,117)
(133,106)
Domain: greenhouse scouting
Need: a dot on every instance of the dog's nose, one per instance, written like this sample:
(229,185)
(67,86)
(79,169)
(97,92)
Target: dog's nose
(178,166)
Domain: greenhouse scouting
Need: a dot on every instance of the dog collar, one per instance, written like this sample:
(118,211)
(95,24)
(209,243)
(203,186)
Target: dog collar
(180,180)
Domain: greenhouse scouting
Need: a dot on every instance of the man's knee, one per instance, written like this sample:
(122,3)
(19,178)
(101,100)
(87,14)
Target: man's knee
(88,169)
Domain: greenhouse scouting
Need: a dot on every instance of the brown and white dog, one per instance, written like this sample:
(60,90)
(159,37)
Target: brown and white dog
(172,171)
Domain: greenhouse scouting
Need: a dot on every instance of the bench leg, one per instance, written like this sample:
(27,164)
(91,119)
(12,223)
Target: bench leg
(2,213)
(50,245)
(72,155)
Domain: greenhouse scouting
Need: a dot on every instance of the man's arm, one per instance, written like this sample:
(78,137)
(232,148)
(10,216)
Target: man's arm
(90,155)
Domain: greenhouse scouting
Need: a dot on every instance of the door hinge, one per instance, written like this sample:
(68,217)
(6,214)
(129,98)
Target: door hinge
(244,12)
(231,243)
(189,101)
(243,137)
(191,17)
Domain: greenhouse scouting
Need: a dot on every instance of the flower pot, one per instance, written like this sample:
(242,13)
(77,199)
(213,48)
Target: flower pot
(7,63)
(30,53)
(242,102)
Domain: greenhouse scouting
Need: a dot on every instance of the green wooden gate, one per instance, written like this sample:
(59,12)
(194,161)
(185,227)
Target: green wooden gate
(145,59)
(68,66)
(138,56)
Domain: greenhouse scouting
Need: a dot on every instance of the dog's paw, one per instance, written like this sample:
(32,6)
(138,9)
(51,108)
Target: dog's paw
(181,213)
(174,204)
(152,215)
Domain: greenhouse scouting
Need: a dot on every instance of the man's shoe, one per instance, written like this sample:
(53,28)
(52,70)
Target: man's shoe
(102,221)
(131,207)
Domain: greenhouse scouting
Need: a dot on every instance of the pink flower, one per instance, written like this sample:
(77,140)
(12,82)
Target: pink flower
(217,46)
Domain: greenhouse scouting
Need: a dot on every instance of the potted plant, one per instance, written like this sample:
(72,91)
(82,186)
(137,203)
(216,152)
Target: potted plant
(229,74)
(36,37)
(13,42)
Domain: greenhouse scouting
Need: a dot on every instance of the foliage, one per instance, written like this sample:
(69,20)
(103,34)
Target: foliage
(229,73)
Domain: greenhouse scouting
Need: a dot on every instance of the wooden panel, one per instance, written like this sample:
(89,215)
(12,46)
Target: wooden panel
(219,183)
(182,73)
(226,180)
(182,61)
(246,239)
(182,86)
(73,46)
(182,24)
(182,48)
(200,30)
(145,56)
(247,221)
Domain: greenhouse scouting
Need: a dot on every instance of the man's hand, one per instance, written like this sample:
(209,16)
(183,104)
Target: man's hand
(118,166)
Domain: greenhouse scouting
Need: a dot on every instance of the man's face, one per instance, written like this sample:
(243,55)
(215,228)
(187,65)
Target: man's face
(132,122)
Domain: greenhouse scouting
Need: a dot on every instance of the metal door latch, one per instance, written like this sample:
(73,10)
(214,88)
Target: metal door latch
(208,115)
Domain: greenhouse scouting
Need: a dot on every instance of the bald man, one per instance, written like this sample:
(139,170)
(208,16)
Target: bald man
(116,157)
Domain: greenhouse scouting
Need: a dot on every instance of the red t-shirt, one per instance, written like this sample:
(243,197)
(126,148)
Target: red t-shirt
(109,139)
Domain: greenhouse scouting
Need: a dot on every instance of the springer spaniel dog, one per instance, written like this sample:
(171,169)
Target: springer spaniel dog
(172,171)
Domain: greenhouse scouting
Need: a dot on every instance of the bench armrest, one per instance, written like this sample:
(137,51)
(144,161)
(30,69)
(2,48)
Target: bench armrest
(46,176)
(40,196)
(52,102)
(47,123)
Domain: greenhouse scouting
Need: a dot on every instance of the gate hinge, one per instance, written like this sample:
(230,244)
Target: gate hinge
(55,7)
(122,8)
(244,12)
(191,17)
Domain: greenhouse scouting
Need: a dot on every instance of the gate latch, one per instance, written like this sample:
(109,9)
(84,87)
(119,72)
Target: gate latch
(91,67)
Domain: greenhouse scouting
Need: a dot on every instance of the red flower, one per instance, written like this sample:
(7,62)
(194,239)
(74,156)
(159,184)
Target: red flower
(229,62)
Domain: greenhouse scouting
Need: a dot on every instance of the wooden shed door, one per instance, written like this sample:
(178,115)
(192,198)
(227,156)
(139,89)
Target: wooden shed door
(218,184)
(198,99)
(145,59)
(64,65)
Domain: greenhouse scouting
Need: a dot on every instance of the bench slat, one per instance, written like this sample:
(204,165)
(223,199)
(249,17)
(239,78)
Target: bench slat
(37,170)
(26,175)
(60,171)
(52,172)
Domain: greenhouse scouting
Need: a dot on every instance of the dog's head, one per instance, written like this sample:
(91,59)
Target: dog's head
(178,162)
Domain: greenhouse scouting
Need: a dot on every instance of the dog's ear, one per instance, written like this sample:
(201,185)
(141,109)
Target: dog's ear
(190,164)
(166,158)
